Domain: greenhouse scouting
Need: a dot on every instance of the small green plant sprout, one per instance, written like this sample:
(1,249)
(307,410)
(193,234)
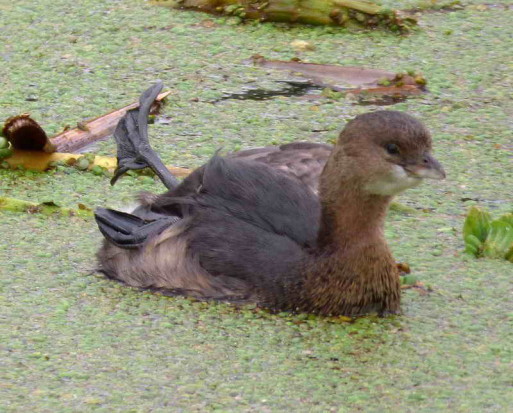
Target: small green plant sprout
(488,238)
(5,148)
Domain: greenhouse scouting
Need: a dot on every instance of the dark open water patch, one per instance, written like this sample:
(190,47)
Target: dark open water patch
(291,89)
(308,90)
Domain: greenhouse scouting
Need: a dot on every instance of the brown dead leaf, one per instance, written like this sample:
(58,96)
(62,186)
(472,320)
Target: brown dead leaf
(349,78)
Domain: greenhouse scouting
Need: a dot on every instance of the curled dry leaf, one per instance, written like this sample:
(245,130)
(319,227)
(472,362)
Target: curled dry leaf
(25,133)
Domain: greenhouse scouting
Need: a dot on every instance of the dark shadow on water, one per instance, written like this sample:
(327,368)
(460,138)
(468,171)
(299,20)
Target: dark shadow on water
(291,89)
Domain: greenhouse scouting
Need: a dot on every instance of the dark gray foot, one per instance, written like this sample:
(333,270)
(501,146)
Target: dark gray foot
(134,150)
(129,231)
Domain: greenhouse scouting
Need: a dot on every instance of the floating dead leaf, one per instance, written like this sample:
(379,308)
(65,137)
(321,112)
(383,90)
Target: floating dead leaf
(356,80)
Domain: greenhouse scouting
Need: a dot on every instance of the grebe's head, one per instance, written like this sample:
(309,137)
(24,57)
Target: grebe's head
(387,152)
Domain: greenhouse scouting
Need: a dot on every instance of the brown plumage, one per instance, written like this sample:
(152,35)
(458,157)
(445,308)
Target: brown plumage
(241,231)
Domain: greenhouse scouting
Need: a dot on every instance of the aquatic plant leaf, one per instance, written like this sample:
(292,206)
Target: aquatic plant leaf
(477,224)
(486,238)
(473,245)
(499,240)
(5,148)
(409,279)
(5,153)
(508,218)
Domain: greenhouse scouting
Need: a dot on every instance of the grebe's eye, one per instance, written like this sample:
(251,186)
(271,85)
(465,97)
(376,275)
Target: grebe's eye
(392,148)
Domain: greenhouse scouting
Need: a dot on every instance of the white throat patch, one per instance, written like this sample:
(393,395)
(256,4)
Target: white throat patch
(397,181)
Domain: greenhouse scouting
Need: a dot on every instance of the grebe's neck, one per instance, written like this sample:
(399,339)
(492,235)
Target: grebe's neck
(350,217)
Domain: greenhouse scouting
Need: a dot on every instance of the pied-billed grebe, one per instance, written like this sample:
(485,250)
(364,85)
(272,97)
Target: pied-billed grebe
(241,231)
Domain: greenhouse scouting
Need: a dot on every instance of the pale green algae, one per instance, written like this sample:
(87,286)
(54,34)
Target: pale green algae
(74,341)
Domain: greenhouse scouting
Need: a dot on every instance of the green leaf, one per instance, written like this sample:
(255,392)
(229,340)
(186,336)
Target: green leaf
(473,246)
(409,280)
(508,219)
(5,152)
(499,240)
(4,143)
(477,224)
(486,238)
